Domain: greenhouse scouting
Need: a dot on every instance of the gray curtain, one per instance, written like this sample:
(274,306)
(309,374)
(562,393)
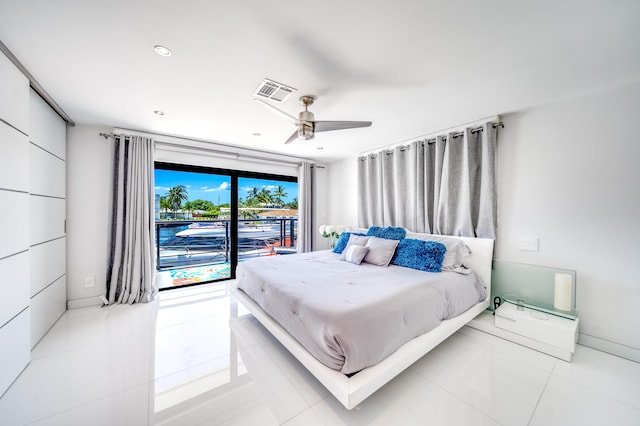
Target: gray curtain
(131,270)
(370,207)
(443,186)
(305,208)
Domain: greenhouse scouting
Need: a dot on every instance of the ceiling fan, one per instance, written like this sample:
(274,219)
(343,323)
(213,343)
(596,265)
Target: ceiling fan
(306,123)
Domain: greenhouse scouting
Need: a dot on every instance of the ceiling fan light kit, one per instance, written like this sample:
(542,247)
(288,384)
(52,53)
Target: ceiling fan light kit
(306,124)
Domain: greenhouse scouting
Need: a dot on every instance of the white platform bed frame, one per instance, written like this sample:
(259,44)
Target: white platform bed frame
(351,391)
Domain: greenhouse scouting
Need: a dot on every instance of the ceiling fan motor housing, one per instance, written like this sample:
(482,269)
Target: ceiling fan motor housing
(305,125)
(305,131)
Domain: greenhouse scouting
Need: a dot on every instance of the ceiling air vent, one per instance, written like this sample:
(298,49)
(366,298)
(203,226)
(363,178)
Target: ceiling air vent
(274,91)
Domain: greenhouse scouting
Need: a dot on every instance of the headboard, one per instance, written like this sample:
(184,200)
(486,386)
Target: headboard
(481,258)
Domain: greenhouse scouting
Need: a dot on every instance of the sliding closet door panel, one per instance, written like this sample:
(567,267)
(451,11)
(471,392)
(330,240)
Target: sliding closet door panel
(14,291)
(15,353)
(47,129)
(46,307)
(14,223)
(14,172)
(14,96)
(47,219)
(47,174)
(48,263)
(47,214)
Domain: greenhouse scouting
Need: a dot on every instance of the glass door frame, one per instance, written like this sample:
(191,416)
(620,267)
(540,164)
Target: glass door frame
(234,208)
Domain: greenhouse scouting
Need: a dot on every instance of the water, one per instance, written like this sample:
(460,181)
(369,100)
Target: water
(168,232)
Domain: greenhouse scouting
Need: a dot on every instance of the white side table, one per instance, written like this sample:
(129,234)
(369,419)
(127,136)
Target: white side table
(539,327)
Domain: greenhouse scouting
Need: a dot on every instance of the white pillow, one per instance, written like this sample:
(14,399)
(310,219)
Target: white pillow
(355,254)
(380,251)
(354,240)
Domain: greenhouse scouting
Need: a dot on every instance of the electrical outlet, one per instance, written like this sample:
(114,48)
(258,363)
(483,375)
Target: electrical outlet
(528,244)
(89,282)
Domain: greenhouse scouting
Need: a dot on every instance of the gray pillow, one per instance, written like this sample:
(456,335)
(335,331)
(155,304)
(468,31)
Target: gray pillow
(354,240)
(355,254)
(380,251)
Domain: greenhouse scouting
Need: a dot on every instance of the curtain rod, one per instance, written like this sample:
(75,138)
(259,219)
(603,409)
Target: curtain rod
(429,141)
(496,123)
(457,135)
(228,154)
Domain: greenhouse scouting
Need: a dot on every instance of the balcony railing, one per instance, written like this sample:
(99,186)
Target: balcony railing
(185,243)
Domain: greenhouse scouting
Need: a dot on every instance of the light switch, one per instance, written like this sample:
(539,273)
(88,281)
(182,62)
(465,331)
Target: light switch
(528,244)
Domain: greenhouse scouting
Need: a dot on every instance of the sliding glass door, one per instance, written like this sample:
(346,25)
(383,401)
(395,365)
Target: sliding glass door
(207,220)
(267,217)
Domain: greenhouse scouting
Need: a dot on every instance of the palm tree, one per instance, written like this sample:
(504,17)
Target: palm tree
(176,196)
(293,204)
(279,194)
(164,202)
(264,196)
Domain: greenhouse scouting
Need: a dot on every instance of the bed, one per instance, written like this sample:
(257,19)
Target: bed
(340,364)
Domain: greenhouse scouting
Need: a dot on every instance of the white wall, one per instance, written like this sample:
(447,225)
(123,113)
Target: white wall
(343,189)
(568,175)
(88,187)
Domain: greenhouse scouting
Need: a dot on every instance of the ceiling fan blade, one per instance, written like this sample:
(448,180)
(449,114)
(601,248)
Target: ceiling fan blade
(278,111)
(325,126)
(292,138)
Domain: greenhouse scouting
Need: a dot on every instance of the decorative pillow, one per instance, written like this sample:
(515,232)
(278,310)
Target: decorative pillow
(354,240)
(422,255)
(389,233)
(380,251)
(355,254)
(341,244)
(457,250)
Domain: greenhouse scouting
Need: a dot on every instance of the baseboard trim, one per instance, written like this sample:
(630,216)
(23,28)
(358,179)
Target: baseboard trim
(83,303)
(617,349)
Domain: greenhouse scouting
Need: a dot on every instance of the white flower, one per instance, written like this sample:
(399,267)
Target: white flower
(339,229)
(329,229)
(323,229)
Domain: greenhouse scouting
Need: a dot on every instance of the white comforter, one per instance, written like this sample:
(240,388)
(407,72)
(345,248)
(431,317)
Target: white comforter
(353,316)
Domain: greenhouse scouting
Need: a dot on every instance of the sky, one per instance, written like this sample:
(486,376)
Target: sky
(216,188)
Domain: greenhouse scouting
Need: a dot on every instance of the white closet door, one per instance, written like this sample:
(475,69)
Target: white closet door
(15,334)
(47,215)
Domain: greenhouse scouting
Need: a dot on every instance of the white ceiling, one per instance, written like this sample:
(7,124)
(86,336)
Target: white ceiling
(411,67)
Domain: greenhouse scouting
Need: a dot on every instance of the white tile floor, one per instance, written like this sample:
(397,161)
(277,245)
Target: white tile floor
(196,357)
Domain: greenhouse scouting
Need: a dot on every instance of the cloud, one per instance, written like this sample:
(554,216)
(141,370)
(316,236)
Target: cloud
(224,186)
(161,188)
(270,187)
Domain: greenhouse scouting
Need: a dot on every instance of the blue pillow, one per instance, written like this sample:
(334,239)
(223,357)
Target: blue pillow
(418,254)
(341,244)
(390,232)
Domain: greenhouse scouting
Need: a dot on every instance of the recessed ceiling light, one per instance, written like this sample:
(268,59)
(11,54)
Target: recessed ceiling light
(257,134)
(320,148)
(158,112)
(162,51)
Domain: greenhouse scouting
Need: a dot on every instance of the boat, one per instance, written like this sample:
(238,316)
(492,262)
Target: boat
(204,244)
(217,231)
